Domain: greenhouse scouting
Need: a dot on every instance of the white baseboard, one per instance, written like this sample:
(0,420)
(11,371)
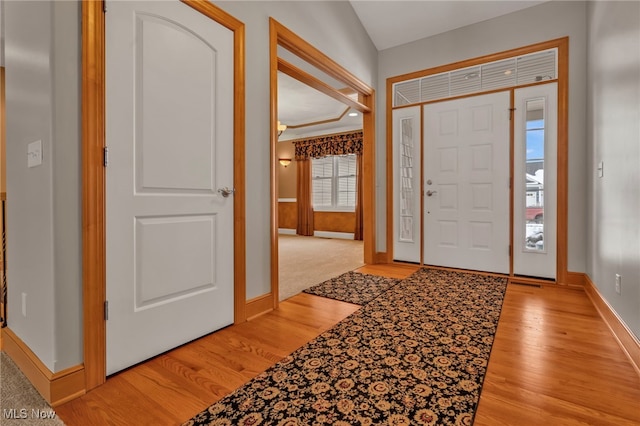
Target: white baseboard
(327,234)
(286,231)
(320,234)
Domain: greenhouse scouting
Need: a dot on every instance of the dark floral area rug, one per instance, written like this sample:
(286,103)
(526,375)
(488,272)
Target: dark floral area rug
(353,287)
(416,356)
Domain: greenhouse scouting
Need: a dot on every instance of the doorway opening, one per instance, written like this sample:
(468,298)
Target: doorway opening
(297,59)
(312,253)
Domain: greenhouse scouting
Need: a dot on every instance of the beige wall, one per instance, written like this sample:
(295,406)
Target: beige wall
(322,221)
(286,175)
(334,221)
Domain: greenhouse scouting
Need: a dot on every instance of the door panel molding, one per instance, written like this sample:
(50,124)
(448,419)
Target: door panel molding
(93,176)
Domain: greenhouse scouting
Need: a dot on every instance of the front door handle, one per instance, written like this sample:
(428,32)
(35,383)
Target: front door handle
(430,193)
(226,191)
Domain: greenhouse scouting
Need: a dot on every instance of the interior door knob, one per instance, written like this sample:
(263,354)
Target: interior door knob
(430,193)
(226,191)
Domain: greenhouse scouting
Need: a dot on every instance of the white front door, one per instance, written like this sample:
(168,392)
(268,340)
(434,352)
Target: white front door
(535,181)
(169,114)
(466,183)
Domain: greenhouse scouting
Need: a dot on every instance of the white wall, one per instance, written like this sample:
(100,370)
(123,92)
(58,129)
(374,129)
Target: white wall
(43,202)
(333,28)
(1,33)
(614,138)
(42,46)
(540,23)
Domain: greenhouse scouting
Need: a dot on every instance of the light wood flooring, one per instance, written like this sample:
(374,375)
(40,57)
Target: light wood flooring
(554,362)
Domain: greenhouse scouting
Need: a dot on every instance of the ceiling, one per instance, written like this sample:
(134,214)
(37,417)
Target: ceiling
(389,24)
(392,23)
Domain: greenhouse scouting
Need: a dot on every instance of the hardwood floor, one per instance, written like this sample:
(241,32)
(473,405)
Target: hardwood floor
(553,362)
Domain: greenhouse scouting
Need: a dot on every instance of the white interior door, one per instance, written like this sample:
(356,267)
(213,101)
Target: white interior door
(535,181)
(466,183)
(406,180)
(170,138)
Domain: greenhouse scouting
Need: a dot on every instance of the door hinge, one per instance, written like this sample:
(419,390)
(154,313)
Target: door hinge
(106,310)
(104,6)
(105,155)
(509,250)
(511,110)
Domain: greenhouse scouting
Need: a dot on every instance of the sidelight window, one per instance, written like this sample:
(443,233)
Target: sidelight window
(534,175)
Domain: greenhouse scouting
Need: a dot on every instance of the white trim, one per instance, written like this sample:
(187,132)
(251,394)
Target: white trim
(287,200)
(286,231)
(328,234)
(335,209)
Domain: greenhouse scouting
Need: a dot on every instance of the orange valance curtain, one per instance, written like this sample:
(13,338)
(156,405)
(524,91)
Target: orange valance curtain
(324,146)
(304,201)
(319,147)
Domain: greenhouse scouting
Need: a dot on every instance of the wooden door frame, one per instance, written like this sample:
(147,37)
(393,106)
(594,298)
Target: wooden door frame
(93,178)
(279,35)
(562,44)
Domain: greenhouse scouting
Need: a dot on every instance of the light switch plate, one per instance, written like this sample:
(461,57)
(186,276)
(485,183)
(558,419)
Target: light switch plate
(34,154)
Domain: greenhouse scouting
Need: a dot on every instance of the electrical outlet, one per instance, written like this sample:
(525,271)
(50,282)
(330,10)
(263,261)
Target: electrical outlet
(618,283)
(24,304)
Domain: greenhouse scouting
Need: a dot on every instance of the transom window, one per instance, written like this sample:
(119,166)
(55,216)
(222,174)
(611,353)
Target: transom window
(334,183)
(510,72)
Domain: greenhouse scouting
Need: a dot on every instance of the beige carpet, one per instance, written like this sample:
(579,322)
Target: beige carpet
(306,261)
(20,402)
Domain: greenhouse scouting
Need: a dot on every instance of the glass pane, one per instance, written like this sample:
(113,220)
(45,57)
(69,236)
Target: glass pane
(347,165)
(465,81)
(497,75)
(347,191)
(537,67)
(407,92)
(435,87)
(534,176)
(406,180)
(321,192)
(322,167)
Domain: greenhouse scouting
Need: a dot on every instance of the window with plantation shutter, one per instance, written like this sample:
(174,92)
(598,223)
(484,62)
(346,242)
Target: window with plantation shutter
(334,183)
